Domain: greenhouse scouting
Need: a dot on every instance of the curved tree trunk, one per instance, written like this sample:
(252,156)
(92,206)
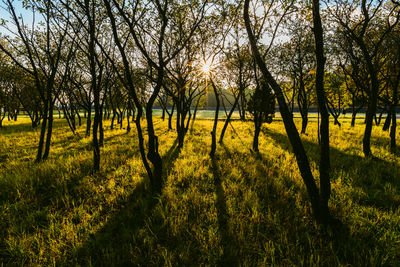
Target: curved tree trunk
(293,134)
(228,119)
(214,130)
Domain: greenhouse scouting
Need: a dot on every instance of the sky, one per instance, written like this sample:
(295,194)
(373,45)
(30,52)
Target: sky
(19,10)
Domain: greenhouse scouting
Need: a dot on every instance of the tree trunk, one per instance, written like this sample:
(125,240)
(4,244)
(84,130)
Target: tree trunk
(113,118)
(88,122)
(42,134)
(257,128)
(324,164)
(304,121)
(369,117)
(96,145)
(79,117)
(195,112)
(393,132)
(170,117)
(353,117)
(293,134)
(228,119)
(128,127)
(101,129)
(153,154)
(388,119)
(49,132)
(214,130)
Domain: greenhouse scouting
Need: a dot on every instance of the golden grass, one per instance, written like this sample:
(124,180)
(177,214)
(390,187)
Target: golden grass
(240,209)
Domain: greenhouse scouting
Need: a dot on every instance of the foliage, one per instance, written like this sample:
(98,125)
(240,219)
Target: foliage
(262,103)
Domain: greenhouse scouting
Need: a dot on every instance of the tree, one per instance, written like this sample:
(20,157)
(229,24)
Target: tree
(261,106)
(297,63)
(151,29)
(367,31)
(39,52)
(320,210)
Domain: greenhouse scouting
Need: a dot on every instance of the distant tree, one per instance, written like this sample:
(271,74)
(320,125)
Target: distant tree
(367,31)
(296,61)
(238,69)
(261,106)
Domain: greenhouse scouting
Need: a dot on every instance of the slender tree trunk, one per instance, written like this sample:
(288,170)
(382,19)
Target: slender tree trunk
(113,118)
(101,129)
(141,143)
(304,121)
(163,114)
(96,145)
(324,164)
(228,119)
(128,127)
(49,132)
(353,117)
(88,122)
(293,134)
(394,115)
(68,120)
(195,111)
(214,130)
(170,117)
(369,117)
(257,128)
(79,117)
(153,154)
(378,119)
(42,134)
(393,132)
(388,119)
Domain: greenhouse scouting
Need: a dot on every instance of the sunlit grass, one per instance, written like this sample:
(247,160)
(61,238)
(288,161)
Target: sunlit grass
(241,208)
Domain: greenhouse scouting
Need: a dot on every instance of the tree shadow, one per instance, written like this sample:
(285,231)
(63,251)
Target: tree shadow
(273,194)
(170,157)
(229,253)
(20,127)
(374,176)
(112,244)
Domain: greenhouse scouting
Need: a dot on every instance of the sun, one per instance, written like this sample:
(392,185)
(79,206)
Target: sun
(206,67)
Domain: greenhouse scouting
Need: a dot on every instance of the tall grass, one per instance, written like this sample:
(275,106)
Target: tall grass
(239,209)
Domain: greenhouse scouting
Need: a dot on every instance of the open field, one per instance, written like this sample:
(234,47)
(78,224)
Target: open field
(239,209)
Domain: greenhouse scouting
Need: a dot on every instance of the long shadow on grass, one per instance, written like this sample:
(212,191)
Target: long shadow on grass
(170,157)
(373,176)
(229,257)
(18,127)
(278,196)
(112,244)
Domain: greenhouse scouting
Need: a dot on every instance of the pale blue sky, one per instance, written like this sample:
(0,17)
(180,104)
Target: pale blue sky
(19,10)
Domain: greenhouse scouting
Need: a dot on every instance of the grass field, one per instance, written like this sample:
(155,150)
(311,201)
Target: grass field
(239,209)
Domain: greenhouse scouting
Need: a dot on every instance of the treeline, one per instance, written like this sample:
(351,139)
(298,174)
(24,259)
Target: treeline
(119,59)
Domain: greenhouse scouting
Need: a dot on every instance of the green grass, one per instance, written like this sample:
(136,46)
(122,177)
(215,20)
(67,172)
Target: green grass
(240,209)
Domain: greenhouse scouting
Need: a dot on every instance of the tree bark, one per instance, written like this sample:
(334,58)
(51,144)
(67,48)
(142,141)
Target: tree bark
(257,128)
(214,130)
(324,164)
(42,134)
(49,132)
